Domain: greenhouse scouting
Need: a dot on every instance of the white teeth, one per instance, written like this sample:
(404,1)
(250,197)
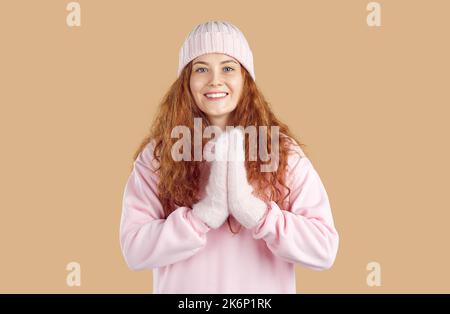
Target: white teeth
(216,95)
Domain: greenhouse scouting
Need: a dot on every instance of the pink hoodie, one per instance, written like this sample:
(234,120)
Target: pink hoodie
(189,257)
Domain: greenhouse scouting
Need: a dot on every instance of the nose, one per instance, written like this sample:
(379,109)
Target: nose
(215,78)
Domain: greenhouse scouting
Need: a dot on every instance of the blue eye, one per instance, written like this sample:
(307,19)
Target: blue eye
(229,68)
(200,69)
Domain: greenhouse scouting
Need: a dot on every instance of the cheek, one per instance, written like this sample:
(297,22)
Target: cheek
(196,87)
(237,89)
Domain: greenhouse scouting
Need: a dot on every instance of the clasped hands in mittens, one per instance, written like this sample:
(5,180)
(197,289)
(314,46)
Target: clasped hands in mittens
(228,190)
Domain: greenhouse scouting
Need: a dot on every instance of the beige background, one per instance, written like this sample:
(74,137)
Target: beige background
(371,103)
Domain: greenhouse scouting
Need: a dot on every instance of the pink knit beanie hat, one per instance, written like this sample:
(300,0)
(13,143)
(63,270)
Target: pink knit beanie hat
(219,37)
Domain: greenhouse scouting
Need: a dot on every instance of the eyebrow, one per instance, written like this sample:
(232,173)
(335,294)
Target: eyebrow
(226,61)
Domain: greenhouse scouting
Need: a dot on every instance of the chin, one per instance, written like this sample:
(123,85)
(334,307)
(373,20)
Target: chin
(218,112)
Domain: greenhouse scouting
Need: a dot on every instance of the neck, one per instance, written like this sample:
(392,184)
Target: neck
(221,121)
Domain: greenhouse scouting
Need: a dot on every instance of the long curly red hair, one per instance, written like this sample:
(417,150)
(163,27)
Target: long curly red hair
(179,180)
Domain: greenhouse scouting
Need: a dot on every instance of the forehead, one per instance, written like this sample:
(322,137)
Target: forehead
(213,57)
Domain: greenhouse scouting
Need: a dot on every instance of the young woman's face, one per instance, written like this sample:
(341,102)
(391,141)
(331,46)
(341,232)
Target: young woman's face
(216,85)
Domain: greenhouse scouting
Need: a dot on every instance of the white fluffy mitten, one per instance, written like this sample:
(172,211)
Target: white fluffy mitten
(213,208)
(243,205)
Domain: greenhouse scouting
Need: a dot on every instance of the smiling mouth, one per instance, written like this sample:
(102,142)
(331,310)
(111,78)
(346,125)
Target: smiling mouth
(215,96)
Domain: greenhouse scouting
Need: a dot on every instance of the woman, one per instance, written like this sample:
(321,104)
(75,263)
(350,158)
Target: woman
(174,211)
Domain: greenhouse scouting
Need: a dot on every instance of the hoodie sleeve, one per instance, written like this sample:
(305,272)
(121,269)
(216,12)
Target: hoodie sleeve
(147,239)
(305,234)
